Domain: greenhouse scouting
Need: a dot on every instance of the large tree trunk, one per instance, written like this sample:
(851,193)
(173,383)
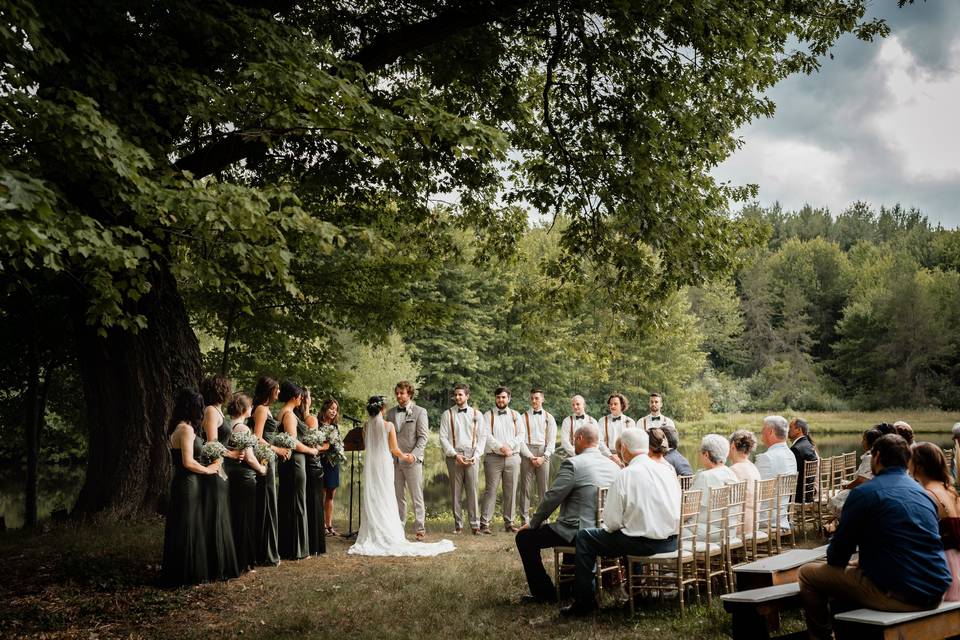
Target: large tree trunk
(130,381)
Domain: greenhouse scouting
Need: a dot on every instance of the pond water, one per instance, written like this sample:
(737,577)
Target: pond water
(60,485)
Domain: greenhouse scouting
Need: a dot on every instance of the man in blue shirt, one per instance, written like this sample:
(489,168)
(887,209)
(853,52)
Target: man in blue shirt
(894,523)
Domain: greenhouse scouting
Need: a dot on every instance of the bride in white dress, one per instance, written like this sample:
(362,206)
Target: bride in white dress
(381,531)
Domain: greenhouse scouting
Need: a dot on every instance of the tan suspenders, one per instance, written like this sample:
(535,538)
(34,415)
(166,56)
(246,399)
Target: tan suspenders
(453,429)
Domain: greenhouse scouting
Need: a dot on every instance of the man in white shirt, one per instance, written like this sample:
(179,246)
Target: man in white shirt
(655,418)
(573,422)
(777,459)
(540,439)
(613,424)
(462,438)
(501,462)
(641,517)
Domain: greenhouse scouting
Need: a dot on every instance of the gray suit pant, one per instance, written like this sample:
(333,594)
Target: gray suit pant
(464,477)
(410,477)
(527,473)
(495,469)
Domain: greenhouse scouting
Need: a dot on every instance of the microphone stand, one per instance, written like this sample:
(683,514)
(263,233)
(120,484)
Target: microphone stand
(353,443)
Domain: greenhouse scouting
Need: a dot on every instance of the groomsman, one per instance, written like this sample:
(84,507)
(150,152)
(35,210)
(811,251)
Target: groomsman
(502,460)
(462,438)
(412,433)
(540,439)
(611,426)
(655,418)
(573,422)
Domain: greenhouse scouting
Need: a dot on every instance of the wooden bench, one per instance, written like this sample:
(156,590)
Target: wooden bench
(935,624)
(754,611)
(778,569)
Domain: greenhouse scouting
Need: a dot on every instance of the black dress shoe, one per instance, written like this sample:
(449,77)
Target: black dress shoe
(577,610)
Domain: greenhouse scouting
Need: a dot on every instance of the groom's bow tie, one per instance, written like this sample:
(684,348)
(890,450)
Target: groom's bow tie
(401,409)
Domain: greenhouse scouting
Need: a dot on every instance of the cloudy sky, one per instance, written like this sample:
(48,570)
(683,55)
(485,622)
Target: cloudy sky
(880,122)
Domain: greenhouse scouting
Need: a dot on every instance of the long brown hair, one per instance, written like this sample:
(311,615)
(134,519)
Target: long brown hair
(322,416)
(928,458)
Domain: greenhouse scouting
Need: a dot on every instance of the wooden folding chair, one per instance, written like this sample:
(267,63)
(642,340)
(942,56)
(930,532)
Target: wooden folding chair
(672,570)
(564,572)
(685,482)
(711,559)
(849,466)
(735,548)
(764,510)
(786,493)
(804,513)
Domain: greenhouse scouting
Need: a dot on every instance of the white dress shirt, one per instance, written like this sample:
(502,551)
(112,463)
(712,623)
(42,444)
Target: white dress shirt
(538,429)
(569,428)
(777,460)
(467,434)
(644,500)
(506,429)
(651,421)
(706,479)
(610,429)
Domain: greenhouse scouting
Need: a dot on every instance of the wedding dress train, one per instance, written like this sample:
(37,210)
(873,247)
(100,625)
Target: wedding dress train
(381,531)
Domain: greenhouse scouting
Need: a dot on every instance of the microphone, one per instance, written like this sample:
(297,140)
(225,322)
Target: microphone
(351,418)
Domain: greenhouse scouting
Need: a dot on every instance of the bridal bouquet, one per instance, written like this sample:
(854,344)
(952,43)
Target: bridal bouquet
(331,433)
(242,440)
(213,450)
(264,453)
(283,440)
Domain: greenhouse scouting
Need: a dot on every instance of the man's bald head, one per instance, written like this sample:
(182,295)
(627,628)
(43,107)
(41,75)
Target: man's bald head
(585,437)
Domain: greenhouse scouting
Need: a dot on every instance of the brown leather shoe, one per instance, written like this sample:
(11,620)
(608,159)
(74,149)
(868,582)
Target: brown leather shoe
(421,535)
(486,531)
(476,532)
(512,529)
(458,531)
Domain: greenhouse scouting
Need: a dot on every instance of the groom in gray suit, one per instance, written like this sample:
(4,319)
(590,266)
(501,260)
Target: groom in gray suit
(575,492)
(412,432)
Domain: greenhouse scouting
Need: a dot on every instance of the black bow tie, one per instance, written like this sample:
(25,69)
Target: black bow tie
(578,417)
(501,412)
(617,419)
(461,410)
(538,413)
(401,409)
(655,418)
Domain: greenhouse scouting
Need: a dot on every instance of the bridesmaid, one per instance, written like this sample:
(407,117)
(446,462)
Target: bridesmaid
(330,415)
(264,426)
(221,554)
(292,496)
(315,520)
(243,486)
(184,542)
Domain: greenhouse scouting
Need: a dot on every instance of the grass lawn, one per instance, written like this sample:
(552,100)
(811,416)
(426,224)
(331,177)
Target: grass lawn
(83,581)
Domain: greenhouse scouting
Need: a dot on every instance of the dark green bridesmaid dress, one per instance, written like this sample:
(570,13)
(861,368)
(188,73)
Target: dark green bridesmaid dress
(266,518)
(221,554)
(243,511)
(292,504)
(315,529)
(184,539)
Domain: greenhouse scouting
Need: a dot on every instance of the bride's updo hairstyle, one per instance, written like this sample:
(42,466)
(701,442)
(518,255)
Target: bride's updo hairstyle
(375,405)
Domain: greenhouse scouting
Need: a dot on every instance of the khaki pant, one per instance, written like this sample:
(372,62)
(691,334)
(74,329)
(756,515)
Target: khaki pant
(464,477)
(498,468)
(820,581)
(409,477)
(527,473)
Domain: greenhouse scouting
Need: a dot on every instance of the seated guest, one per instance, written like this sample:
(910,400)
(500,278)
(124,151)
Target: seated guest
(640,518)
(804,450)
(713,473)
(575,492)
(742,444)
(885,428)
(777,459)
(863,474)
(904,430)
(673,456)
(658,446)
(893,523)
(928,466)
